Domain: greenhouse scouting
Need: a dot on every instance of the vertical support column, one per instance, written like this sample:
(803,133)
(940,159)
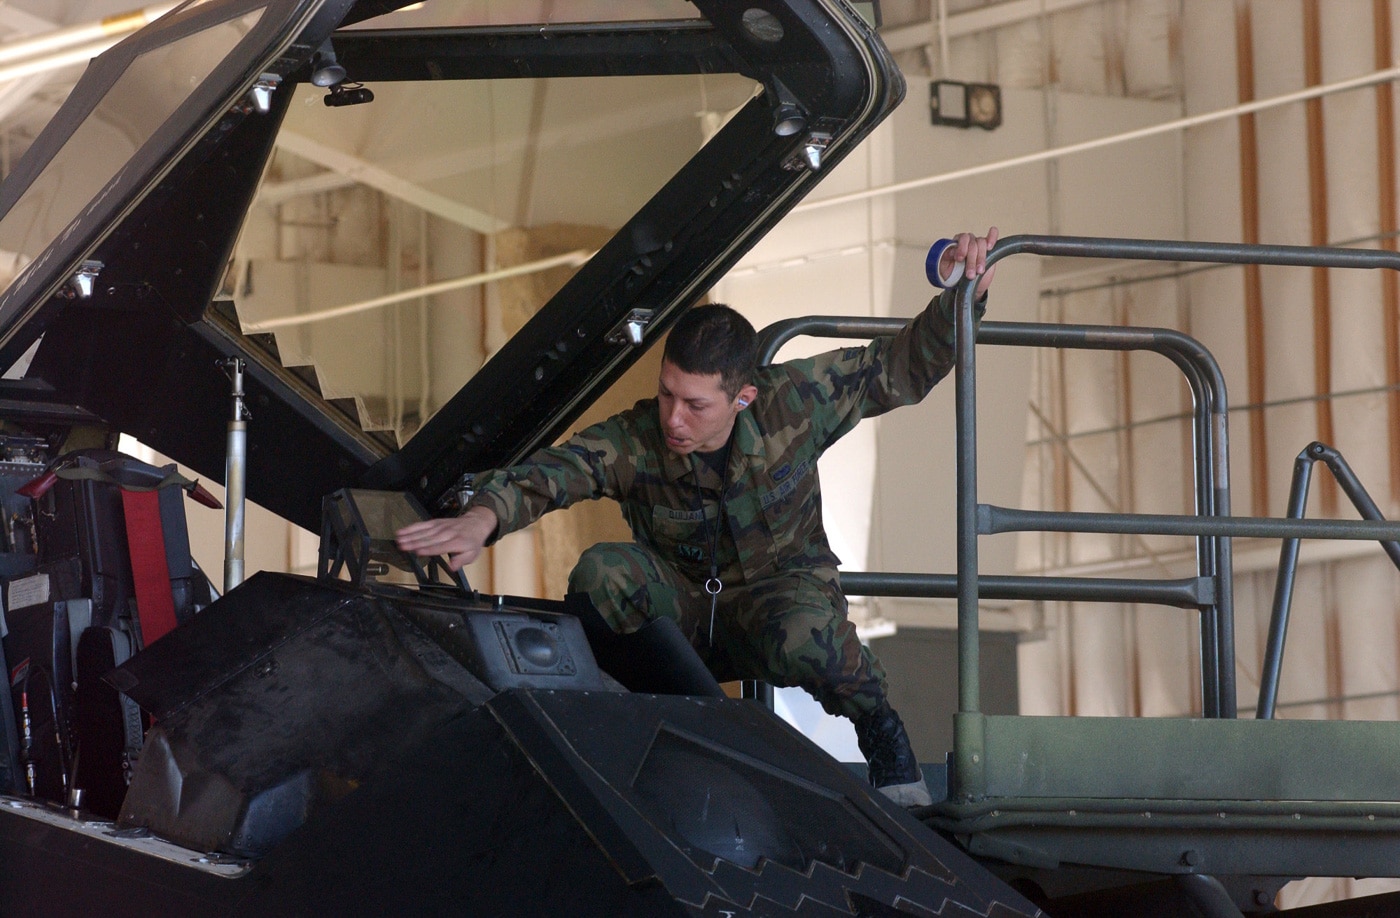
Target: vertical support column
(1249,230)
(1390,282)
(1317,212)
(1127,502)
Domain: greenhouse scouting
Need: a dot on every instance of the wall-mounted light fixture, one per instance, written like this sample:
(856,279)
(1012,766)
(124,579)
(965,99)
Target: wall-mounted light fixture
(964,105)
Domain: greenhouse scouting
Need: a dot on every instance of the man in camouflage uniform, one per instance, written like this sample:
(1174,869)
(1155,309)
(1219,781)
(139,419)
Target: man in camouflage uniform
(717,478)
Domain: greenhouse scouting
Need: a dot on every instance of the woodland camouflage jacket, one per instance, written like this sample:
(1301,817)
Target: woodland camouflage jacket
(773,498)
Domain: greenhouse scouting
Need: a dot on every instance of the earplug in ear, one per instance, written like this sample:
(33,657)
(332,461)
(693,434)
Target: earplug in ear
(743,403)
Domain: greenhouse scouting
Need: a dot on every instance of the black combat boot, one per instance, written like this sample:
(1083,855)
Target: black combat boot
(893,769)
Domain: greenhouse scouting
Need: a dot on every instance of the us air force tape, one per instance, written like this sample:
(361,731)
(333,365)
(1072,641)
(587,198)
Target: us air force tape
(931,265)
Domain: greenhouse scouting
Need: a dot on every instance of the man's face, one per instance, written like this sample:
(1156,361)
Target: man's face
(696,414)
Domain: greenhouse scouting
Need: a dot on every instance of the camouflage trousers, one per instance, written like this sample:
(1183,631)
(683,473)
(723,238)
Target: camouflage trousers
(790,629)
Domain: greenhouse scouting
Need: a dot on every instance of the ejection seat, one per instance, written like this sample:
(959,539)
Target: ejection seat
(111,574)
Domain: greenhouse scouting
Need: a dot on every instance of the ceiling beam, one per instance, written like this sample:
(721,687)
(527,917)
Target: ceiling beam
(567,260)
(981,19)
(110,29)
(45,46)
(279,192)
(20,90)
(367,173)
(16,93)
(22,22)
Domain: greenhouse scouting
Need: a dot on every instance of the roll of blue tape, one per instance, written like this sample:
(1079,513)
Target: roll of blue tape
(935,255)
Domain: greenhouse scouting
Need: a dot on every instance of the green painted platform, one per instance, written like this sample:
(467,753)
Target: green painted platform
(1266,797)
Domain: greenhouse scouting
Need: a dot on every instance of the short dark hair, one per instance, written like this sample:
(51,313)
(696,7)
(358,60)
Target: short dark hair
(714,339)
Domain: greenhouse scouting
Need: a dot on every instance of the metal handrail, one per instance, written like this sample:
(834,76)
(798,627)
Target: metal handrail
(1209,428)
(1288,558)
(992,520)
(1301,256)
(1185,592)
(966,418)
(1212,525)
(1209,420)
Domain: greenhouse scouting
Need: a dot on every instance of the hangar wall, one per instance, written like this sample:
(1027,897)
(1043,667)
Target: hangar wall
(1306,354)
(1319,354)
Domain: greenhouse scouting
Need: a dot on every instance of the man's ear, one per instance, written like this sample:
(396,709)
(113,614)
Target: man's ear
(746,396)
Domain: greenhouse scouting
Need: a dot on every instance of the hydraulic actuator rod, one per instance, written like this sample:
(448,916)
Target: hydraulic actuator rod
(235,475)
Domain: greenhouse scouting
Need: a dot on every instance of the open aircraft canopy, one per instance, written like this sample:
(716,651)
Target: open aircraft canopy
(323,745)
(122,218)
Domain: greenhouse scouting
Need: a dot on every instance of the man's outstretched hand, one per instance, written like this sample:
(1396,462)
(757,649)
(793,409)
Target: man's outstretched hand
(971,250)
(461,538)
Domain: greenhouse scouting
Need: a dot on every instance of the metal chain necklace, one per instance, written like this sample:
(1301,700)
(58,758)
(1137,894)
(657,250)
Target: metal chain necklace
(713,585)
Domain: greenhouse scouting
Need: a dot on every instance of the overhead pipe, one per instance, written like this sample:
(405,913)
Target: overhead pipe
(66,47)
(109,29)
(569,259)
(1166,127)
